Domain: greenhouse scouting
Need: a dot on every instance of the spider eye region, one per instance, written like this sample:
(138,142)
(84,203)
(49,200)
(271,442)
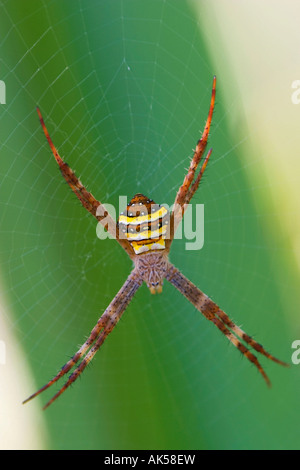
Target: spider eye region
(155,288)
(144,224)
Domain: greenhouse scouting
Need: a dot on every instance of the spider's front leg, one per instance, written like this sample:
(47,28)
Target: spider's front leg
(104,326)
(212,312)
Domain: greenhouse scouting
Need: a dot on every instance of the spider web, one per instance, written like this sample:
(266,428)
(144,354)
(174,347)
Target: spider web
(124,88)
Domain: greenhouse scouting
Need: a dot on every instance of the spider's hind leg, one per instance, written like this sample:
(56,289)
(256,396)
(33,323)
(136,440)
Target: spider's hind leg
(181,197)
(190,183)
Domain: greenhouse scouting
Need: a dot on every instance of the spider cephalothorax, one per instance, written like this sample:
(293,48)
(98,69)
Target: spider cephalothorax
(146,231)
(152,267)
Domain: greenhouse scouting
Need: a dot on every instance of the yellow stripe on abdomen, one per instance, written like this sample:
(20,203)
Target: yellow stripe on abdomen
(144,225)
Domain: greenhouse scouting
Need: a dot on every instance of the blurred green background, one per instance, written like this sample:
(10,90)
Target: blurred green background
(124,87)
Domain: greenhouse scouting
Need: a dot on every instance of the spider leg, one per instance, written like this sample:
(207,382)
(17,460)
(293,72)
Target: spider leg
(196,183)
(106,323)
(186,191)
(74,359)
(86,360)
(248,339)
(85,197)
(212,312)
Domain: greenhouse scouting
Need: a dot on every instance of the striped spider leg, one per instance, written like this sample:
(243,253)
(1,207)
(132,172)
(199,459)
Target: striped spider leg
(86,198)
(190,184)
(114,311)
(146,231)
(201,301)
(104,326)
(213,313)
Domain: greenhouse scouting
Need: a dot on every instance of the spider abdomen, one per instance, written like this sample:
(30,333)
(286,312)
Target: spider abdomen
(144,224)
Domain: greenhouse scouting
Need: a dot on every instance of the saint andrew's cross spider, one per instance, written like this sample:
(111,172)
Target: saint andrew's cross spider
(146,236)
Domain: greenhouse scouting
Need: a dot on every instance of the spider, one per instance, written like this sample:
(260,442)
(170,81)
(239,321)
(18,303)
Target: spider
(146,231)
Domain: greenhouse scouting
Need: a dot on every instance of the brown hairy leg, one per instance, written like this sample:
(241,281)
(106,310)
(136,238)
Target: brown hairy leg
(189,186)
(104,326)
(213,313)
(85,197)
